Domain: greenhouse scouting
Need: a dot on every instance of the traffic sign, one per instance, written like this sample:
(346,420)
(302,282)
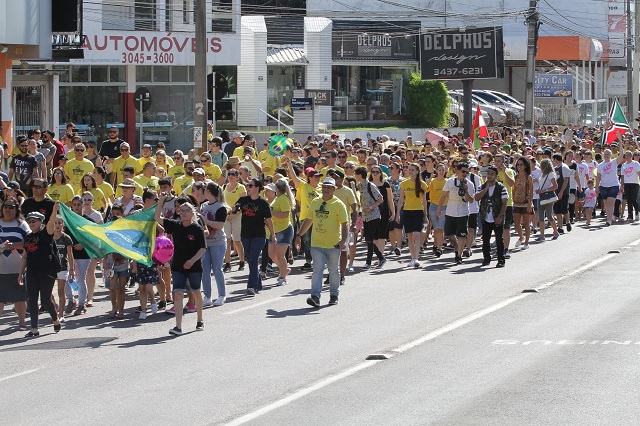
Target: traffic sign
(301,104)
(142,99)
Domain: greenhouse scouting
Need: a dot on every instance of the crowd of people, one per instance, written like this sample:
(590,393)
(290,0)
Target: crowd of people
(321,200)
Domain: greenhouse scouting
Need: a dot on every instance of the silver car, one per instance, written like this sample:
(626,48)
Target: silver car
(456,113)
(538,113)
(492,115)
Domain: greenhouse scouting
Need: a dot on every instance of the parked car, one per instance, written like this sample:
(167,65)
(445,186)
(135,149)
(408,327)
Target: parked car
(492,115)
(538,113)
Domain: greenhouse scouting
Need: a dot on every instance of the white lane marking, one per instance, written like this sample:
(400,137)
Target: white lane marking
(302,392)
(13,376)
(255,305)
(577,271)
(632,244)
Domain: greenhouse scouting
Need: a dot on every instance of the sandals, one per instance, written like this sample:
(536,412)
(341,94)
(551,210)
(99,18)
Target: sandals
(89,303)
(57,327)
(112,314)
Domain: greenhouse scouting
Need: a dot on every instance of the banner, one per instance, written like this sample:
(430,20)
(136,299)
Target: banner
(132,236)
(553,86)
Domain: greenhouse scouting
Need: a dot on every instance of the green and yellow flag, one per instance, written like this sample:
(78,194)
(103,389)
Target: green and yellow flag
(132,236)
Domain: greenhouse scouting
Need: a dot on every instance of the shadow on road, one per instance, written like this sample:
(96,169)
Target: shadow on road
(76,343)
(272,313)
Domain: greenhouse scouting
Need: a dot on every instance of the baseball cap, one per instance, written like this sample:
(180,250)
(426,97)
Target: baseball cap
(338,173)
(199,170)
(329,182)
(485,145)
(473,163)
(14,185)
(271,187)
(237,135)
(62,157)
(310,171)
(146,146)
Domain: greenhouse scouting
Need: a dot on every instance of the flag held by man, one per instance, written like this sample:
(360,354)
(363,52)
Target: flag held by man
(617,124)
(479,129)
(132,236)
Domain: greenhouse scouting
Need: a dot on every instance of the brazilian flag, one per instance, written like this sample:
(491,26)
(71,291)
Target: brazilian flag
(278,145)
(132,236)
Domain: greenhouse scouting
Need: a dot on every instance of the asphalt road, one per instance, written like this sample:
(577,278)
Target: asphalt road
(465,346)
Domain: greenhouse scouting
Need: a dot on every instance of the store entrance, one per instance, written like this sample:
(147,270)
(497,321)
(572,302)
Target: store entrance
(28,107)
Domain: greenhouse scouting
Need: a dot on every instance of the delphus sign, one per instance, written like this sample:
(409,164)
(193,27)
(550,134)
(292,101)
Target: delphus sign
(460,54)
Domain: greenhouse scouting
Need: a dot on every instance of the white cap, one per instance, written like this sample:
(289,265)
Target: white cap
(329,182)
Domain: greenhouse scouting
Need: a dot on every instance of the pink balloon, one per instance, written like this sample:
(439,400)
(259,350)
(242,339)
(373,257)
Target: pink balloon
(164,249)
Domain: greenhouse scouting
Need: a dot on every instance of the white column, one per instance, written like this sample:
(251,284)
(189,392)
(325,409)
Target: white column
(317,46)
(252,73)
(55,103)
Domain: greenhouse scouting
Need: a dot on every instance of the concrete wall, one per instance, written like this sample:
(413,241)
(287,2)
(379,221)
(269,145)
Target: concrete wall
(317,45)
(252,73)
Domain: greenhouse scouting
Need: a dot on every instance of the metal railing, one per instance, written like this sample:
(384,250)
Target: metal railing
(277,120)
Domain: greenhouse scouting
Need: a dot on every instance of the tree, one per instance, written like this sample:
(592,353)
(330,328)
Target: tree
(427,102)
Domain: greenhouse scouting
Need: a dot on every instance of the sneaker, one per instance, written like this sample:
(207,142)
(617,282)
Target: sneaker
(171,311)
(396,251)
(458,259)
(485,262)
(270,268)
(507,254)
(568,227)
(207,302)
(142,316)
(524,247)
(411,263)
(154,308)
(176,331)
(251,292)
(199,326)
(313,301)
(161,305)
(500,264)
(518,242)
(241,266)
(540,238)
(416,264)
(466,252)
(263,275)
(81,310)
(281,281)
(227,267)
(71,306)
(333,300)
(438,252)
(306,267)
(350,268)
(190,308)
(560,230)
(381,262)
(607,224)
(366,266)
(341,280)
(555,237)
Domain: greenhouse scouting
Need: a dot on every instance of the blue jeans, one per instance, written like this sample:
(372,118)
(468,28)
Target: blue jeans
(330,256)
(252,249)
(212,260)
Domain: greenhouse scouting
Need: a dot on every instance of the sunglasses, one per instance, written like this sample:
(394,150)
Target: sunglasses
(190,169)
(37,186)
(464,172)
(9,206)
(113,131)
(87,200)
(82,150)
(250,185)
(124,149)
(342,156)
(155,199)
(375,172)
(232,174)
(184,210)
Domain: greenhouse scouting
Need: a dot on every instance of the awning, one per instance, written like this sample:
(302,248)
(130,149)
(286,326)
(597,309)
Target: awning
(286,56)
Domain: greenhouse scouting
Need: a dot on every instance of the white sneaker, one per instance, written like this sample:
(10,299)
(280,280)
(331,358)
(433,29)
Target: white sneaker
(416,264)
(220,301)
(350,267)
(207,302)
(524,247)
(142,316)
(154,308)
(411,264)
(518,242)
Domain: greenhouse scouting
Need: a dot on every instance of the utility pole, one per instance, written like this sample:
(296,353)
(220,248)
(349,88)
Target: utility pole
(200,110)
(533,22)
(636,64)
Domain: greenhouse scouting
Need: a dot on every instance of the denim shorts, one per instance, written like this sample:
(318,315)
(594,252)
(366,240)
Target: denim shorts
(609,191)
(437,222)
(124,273)
(285,236)
(190,282)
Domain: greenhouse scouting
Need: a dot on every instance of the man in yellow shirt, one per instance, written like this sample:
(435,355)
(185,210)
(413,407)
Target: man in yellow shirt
(269,162)
(328,238)
(121,162)
(177,170)
(148,178)
(247,142)
(183,182)
(331,157)
(145,155)
(75,169)
(211,171)
(348,198)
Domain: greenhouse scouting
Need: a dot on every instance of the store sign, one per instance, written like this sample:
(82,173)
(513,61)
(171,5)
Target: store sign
(322,97)
(298,104)
(553,86)
(347,45)
(157,48)
(457,54)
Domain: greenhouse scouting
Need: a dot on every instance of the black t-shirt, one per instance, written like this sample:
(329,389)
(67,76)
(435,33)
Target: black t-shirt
(254,213)
(426,175)
(23,167)
(40,255)
(110,149)
(229,148)
(61,244)
(45,207)
(187,240)
(384,207)
(80,254)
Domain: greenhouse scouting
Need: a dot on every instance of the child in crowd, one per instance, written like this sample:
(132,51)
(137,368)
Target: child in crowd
(589,200)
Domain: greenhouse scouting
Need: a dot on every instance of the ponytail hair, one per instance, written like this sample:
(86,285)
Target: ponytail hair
(418,180)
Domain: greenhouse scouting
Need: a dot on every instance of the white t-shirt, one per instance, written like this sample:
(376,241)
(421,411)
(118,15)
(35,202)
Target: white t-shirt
(474,206)
(535,174)
(583,173)
(573,184)
(608,172)
(592,166)
(630,171)
(457,206)
(545,182)
(590,198)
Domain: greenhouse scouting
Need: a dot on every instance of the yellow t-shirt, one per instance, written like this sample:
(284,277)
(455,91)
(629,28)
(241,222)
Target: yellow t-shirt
(268,162)
(435,190)
(120,163)
(239,152)
(107,190)
(509,187)
(170,161)
(143,161)
(307,194)
(175,172)
(212,172)
(182,183)
(98,196)
(138,191)
(347,196)
(62,193)
(145,182)
(323,172)
(75,170)
(231,197)
(281,204)
(327,220)
(411,202)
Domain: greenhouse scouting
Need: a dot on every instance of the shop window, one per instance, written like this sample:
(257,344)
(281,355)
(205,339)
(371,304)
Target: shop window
(80,74)
(161,74)
(222,16)
(145,15)
(117,74)
(179,74)
(143,73)
(186,11)
(99,74)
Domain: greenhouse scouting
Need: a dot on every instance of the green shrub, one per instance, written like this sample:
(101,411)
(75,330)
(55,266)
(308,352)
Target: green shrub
(427,102)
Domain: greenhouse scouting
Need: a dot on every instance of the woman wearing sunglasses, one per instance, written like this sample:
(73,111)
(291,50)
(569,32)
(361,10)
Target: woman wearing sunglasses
(233,190)
(59,189)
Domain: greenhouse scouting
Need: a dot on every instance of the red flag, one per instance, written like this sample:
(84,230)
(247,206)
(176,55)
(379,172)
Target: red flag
(479,129)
